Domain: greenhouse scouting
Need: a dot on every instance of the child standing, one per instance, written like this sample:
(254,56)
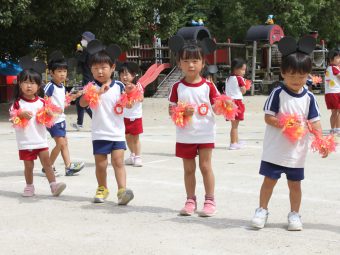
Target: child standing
(107,127)
(235,87)
(132,116)
(56,90)
(32,140)
(199,136)
(280,155)
(332,89)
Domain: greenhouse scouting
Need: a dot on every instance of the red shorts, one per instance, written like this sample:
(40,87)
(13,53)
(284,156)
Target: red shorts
(241,108)
(30,154)
(332,100)
(189,150)
(133,127)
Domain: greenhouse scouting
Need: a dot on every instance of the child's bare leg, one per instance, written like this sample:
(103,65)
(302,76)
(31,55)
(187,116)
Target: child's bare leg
(29,165)
(136,145)
(117,161)
(61,146)
(129,142)
(234,131)
(266,191)
(295,195)
(337,121)
(206,170)
(46,163)
(333,118)
(189,176)
(101,166)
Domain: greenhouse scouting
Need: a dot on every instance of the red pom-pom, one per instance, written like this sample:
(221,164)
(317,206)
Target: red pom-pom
(177,114)
(226,107)
(91,95)
(16,120)
(48,114)
(316,79)
(323,145)
(248,84)
(68,100)
(293,126)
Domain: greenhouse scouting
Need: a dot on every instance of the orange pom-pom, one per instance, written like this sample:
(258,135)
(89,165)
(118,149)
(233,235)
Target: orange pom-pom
(324,144)
(226,107)
(316,79)
(177,114)
(248,84)
(91,95)
(293,126)
(48,114)
(68,100)
(16,120)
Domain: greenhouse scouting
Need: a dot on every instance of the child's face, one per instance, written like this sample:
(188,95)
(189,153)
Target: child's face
(241,71)
(29,89)
(59,75)
(126,77)
(295,81)
(191,67)
(102,72)
(335,61)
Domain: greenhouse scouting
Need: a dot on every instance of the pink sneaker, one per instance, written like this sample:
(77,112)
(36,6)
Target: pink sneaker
(28,191)
(209,209)
(189,208)
(57,188)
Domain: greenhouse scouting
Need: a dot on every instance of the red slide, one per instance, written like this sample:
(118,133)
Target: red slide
(152,73)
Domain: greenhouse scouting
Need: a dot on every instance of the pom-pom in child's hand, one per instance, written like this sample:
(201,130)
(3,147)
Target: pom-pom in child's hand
(248,84)
(91,95)
(226,107)
(189,110)
(20,118)
(293,126)
(48,114)
(68,99)
(178,115)
(323,144)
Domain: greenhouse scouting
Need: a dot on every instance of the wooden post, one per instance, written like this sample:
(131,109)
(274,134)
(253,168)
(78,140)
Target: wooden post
(253,68)
(269,62)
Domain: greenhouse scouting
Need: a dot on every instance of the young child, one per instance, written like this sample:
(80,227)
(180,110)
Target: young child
(32,139)
(132,116)
(280,155)
(332,89)
(107,127)
(199,136)
(56,90)
(235,87)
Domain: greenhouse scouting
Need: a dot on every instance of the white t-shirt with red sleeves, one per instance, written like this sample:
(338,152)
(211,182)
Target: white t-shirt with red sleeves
(202,128)
(332,80)
(136,111)
(232,86)
(106,124)
(34,135)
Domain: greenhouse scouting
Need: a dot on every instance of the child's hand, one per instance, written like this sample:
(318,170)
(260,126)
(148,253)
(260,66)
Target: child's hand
(189,111)
(104,88)
(324,152)
(129,105)
(26,115)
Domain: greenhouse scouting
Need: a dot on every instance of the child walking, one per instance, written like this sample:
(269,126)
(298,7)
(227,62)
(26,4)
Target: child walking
(280,155)
(199,136)
(56,90)
(132,116)
(32,139)
(107,126)
(235,87)
(332,89)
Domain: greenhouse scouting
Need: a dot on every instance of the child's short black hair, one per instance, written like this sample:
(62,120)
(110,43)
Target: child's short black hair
(27,75)
(57,64)
(296,63)
(237,63)
(190,51)
(333,53)
(101,57)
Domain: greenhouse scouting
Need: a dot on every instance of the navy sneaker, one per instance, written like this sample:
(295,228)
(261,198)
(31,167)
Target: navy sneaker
(74,168)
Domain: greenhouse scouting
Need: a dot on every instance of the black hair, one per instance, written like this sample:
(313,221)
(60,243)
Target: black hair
(333,53)
(296,63)
(27,75)
(57,64)
(190,51)
(126,68)
(237,63)
(101,57)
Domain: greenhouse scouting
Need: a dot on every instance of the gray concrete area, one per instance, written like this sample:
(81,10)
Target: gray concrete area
(72,224)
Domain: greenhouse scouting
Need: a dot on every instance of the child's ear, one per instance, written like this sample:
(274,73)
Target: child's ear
(113,67)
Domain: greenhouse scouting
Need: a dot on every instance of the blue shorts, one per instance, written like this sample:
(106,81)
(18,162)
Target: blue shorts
(58,129)
(274,171)
(106,147)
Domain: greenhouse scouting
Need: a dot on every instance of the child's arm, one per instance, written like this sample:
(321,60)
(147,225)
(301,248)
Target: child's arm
(272,121)
(83,102)
(316,125)
(243,90)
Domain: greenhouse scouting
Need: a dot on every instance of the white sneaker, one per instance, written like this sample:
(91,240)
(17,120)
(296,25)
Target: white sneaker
(234,146)
(130,160)
(76,126)
(294,221)
(138,161)
(260,218)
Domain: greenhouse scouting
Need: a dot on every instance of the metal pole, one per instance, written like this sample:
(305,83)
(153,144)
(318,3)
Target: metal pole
(253,68)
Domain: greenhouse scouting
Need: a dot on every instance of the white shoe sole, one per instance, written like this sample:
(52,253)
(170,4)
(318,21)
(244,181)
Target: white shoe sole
(295,228)
(203,214)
